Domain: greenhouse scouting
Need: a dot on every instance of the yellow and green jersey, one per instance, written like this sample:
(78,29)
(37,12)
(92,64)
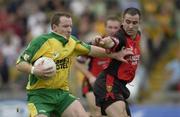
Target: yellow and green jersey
(61,51)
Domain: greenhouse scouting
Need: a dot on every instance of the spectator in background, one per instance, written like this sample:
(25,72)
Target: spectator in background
(10,46)
(172,72)
(4,72)
(36,21)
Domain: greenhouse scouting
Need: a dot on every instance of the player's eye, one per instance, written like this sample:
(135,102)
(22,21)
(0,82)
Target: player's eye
(65,26)
(134,22)
(110,27)
(128,21)
(116,27)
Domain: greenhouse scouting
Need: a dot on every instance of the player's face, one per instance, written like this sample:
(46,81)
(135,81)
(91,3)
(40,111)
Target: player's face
(112,26)
(131,24)
(64,27)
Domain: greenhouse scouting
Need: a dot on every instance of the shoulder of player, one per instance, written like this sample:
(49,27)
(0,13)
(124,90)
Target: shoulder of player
(40,39)
(77,40)
(74,38)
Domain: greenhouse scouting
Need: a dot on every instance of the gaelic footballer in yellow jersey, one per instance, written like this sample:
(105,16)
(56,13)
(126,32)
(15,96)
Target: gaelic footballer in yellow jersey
(58,48)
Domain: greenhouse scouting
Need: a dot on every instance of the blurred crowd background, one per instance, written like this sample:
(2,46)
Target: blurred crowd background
(158,76)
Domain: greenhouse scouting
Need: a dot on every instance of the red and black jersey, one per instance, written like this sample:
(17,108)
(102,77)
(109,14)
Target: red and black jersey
(125,71)
(96,65)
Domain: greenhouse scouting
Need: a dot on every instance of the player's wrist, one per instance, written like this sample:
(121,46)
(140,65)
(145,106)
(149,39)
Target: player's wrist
(92,80)
(92,77)
(109,54)
(32,70)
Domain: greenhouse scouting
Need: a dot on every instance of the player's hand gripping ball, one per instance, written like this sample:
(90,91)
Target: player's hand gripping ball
(46,63)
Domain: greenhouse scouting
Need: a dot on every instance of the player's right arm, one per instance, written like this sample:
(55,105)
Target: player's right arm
(24,67)
(38,70)
(28,56)
(24,62)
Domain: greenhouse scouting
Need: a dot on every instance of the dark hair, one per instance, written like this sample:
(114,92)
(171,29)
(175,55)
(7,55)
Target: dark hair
(132,11)
(55,18)
(113,18)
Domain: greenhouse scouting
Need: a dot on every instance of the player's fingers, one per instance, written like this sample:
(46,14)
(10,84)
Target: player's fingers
(107,39)
(38,70)
(49,74)
(97,39)
(48,68)
(49,71)
(124,53)
(128,49)
(97,36)
(123,48)
(101,42)
(129,52)
(123,60)
(41,63)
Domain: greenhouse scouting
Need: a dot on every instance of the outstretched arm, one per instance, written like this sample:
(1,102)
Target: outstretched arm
(101,52)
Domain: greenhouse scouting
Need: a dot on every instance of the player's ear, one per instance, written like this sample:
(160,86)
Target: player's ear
(54,27)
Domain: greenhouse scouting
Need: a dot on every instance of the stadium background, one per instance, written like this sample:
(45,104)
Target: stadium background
(22,20)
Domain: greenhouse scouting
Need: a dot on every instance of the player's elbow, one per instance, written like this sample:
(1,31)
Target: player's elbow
(18,66)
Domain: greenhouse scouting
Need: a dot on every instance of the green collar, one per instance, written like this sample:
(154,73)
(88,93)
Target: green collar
(61,38)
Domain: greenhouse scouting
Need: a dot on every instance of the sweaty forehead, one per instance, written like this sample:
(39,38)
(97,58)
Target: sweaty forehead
(64,19)
(113,22)
(131,17)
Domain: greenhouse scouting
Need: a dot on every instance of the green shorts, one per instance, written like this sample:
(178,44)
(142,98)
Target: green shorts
(47,101)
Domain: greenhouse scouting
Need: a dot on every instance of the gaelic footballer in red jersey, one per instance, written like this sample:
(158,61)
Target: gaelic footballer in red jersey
(110,87)
(121,70)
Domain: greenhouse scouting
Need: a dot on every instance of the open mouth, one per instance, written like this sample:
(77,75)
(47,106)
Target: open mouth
(130,31)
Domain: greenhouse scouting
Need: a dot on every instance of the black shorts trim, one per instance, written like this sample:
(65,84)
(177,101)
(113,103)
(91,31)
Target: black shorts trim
(118,91)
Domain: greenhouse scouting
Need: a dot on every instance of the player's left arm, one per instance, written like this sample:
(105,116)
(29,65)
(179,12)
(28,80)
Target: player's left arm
(95,51)
(101,52)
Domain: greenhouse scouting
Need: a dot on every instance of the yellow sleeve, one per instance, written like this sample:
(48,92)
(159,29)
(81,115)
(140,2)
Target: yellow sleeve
(82,48)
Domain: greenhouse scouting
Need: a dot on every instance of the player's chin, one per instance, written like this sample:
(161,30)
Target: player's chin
(131,33)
